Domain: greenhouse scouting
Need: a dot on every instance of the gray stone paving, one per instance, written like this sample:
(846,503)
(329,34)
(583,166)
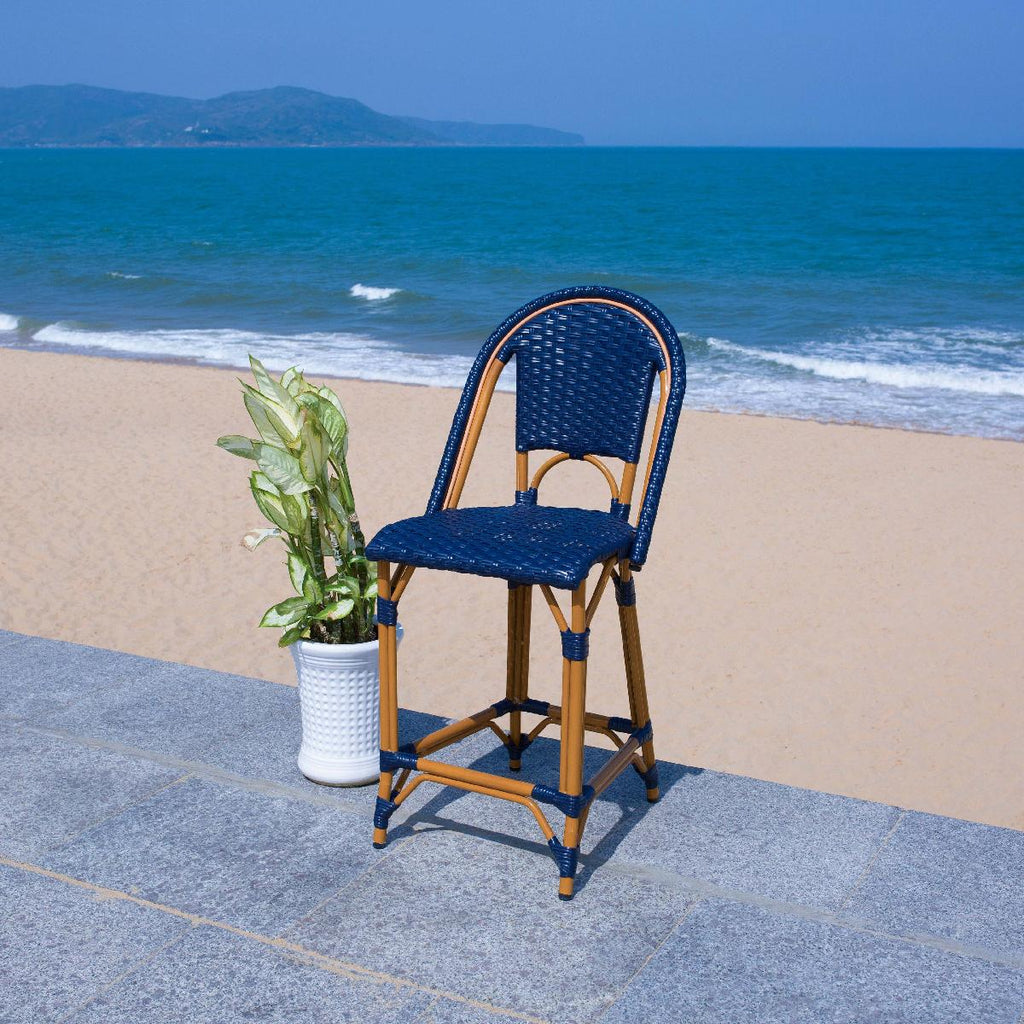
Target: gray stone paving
(161,859)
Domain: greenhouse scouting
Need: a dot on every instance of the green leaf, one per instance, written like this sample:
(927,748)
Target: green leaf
(370,592)
(292,381)
(261,482)
(259,371)
(276,396)
(254,538)
(297,512)
(271,507)
(312,591)
(237,445)
(298,570)
(269,500)
(312,451)
(254,407)
(286,613)
(336,505)
(336,610)
(333,422)
(327,393)
(282,469)
(343,585)
(281,422)
(289,636)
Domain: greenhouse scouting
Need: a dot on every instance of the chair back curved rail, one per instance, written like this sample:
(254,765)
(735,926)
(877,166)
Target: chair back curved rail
(586,360)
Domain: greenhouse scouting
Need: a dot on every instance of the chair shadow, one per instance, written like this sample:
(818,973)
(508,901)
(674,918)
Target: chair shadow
(626,794)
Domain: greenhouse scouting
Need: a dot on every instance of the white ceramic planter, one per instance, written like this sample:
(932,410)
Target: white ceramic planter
(339,691)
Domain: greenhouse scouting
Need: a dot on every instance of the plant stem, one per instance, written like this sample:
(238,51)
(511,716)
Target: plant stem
(317,560)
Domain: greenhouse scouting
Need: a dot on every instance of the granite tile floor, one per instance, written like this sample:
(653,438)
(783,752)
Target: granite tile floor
(161,859)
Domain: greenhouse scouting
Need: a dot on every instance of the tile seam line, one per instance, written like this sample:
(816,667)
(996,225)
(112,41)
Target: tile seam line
(700,889)
(127,973)
(68,839)
(328,963)
(375,865)
(869,867)
(654,952)
(201,770)
(708,890)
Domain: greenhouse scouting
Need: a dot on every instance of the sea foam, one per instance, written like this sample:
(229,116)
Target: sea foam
(8,322)
(896,375)
(366,291)
(329,353)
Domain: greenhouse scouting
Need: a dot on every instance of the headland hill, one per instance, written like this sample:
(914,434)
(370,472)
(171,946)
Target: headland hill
(87,116)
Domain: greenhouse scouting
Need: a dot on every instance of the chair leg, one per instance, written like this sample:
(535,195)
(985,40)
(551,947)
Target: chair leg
(636,685)
(574,699)
(517,677)
(387,646)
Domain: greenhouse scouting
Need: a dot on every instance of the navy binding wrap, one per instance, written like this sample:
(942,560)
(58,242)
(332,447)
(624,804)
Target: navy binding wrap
(575,646)
(566,857)
(387,612)
(392,760)
(382,812)
(570,806)
(625,591)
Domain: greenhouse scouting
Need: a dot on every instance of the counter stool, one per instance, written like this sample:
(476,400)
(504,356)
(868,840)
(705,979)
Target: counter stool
(586,360)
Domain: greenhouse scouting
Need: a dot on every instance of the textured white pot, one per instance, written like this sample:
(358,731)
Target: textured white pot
(339,691)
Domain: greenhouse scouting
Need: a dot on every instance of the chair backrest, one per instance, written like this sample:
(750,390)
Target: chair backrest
(586,362)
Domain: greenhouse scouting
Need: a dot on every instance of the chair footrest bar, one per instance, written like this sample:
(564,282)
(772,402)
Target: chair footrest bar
(618,761)
(570,806)
(617,724)
(446,772)
(450,734)
(393,759)
(542,707)
(566,857)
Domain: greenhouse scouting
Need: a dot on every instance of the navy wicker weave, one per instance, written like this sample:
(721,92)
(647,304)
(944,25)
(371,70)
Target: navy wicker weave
(586,360)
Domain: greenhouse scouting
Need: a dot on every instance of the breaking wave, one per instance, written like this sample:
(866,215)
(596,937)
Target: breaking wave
(329,353)
(369,292)
(968,379)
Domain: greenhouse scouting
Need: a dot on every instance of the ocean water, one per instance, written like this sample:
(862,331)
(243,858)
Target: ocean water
(869,286)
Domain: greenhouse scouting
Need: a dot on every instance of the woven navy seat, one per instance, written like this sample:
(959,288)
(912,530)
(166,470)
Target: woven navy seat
(587,361)
(519,543)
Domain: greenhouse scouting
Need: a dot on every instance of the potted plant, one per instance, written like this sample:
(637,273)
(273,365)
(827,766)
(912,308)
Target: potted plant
(301,484)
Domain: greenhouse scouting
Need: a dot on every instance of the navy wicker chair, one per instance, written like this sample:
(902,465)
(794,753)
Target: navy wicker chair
(586,362)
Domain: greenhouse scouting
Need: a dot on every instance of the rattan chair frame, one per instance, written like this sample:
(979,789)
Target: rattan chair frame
(633,736)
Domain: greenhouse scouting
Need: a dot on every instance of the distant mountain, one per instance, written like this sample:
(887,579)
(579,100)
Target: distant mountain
(81,115)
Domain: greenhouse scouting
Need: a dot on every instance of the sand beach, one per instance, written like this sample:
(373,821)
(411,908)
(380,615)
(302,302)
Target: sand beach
(836,607)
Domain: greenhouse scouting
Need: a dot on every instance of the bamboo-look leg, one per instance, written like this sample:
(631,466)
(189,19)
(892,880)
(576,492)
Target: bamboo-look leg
(387,646)
(517,681)
(636,684)
(574,698)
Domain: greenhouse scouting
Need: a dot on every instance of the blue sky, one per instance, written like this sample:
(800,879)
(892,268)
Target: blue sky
(647,72)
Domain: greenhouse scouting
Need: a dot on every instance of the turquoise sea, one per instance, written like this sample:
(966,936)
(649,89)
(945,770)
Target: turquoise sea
(873,286)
